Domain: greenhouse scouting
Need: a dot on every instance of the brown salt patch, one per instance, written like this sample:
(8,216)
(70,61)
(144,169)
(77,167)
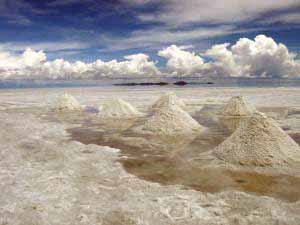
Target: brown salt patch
(174,169)
(152,163)
(275,112)
(295,137)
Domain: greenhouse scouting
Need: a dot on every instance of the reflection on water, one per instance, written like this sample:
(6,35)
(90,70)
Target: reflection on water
(171,160)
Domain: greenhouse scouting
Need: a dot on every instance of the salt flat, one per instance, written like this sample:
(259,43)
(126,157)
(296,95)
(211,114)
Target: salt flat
(49,178)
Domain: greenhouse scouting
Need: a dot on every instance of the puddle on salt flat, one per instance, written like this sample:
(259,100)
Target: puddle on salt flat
(169,160)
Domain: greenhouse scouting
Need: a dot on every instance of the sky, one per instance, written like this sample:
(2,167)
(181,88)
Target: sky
(91,39)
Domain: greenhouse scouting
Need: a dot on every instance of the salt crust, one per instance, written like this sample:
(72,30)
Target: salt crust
(48,180)
(237,106)
(259,141)
(169,119)
(67,102)
(118,108)
(169,98)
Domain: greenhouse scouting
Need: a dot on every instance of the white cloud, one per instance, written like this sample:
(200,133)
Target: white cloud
(33,64)
(223,63)
(138,2)
(181,62)
(261,57)
(264,57)
(45,46)
(178,12)
(32,58)
(155,38)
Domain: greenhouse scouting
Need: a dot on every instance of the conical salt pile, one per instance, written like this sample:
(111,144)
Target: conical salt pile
(259,141)
(169,120)
(169,98)
(118,108)
(68,102)
(237,106)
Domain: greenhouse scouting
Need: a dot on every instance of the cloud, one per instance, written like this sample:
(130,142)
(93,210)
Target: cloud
(14,12)
(156,38)
(32,58)
(290,18)
(223,63)
(138,2)
(181,62)
(45,46)
(178,12)
(264,57)
(34,65)
(56,3)
(261,57)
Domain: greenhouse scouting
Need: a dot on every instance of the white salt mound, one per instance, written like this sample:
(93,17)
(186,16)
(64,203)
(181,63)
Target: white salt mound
(68,102)
(170,120)
(237,106)
(259,141)
(168,99)
(118,108)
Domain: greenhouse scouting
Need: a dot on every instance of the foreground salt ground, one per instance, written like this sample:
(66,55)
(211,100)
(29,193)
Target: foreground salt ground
(48,179)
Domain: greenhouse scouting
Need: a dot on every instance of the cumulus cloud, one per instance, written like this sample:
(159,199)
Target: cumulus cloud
(264,57)
(223,63)
(261,57)
(181,62)
(32,64)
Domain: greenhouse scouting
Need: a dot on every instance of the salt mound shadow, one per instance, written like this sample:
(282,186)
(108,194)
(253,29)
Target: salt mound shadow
(118,108)
(67,102)
(237,106)
(259,141)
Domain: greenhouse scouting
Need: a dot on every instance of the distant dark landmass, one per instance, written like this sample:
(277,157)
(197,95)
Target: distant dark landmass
(143,84)
(153,81)
(178,83)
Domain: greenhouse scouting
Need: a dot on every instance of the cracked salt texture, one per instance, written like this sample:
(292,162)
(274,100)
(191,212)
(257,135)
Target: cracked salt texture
(118,108)
(259,141)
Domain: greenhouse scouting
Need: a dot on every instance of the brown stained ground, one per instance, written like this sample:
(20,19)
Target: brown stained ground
(168,162)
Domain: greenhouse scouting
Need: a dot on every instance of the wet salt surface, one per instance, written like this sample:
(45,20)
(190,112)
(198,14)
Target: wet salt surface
(47,179)
(173,160)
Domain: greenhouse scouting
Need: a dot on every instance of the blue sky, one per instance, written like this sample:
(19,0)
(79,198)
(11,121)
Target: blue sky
(87,30)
